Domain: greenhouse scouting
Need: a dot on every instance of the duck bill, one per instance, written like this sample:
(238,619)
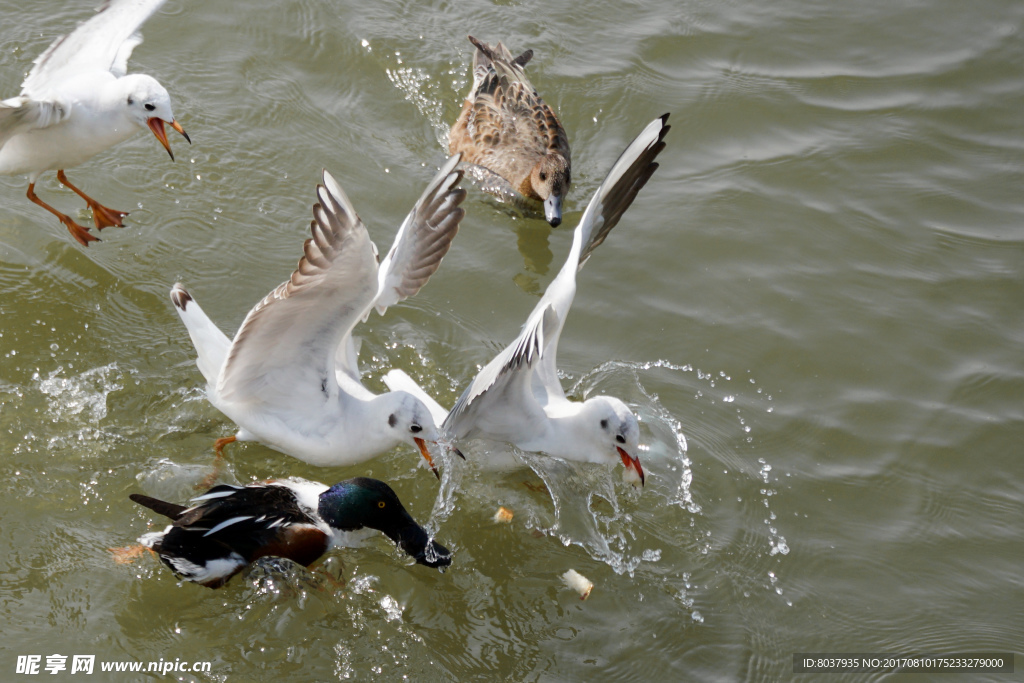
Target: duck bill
(553,210)
(422,445)
(631,463)
(413,539)
(156,124)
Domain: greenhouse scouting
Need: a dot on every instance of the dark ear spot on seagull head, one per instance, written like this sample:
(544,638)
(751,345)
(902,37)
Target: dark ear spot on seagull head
(604,424)
(392,420)
(149,106)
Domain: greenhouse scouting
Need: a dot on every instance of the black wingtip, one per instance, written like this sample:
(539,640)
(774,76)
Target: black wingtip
(180,296)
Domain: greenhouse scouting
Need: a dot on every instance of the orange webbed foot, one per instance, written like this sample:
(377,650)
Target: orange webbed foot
(79,232)
(129,554)
(107,218)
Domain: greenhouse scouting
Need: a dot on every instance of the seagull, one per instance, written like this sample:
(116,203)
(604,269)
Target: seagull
(517,397)
(511,140)
(78,100)
(230,526)
(290,378)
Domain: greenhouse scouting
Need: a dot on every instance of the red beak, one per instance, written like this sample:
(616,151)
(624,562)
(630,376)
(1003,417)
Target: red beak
(156,125)
(426,455)
(631,463)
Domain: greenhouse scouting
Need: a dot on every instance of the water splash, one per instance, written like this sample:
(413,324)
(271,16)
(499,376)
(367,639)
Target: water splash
(82,395)
(423,91)
(452,476)
(665,431)
(776,541)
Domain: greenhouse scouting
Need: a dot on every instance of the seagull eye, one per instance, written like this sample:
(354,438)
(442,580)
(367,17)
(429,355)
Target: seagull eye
(604,424)
(381,504)
(415,429)
(150,107)
(620,438)
(543,176)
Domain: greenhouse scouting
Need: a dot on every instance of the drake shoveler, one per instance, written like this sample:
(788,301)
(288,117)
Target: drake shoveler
(228,527)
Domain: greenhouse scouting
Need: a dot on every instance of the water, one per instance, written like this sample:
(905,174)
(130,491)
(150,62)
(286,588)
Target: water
(814,308)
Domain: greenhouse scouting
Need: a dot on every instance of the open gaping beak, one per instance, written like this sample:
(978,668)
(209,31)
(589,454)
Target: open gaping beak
(156,124)
(426,456)
(631,463)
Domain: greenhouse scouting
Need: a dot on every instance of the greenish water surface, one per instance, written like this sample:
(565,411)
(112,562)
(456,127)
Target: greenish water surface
(815,307)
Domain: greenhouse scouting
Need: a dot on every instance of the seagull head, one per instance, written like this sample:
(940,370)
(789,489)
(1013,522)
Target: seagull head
(613,430)
(409,420)
(149,106)
(550,181)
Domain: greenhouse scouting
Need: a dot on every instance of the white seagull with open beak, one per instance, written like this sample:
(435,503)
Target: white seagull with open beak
(517,397)
(290,378)
(78,100)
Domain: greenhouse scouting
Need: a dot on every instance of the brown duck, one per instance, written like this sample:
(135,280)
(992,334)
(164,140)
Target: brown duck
(510,139)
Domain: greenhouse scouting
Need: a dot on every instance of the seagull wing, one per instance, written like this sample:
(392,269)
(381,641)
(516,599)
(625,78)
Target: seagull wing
(525,373)
(509,378)
(102,43)
(630,172)
(21,114)
(423,240)
(284,352)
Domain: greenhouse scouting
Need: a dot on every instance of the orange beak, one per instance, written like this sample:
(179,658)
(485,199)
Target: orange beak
(631,463)
(156,125)
(426,455)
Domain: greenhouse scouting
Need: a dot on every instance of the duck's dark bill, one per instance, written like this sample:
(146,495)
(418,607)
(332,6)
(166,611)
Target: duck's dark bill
(414,541)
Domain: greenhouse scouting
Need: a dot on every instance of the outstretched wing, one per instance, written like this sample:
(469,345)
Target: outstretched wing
(630,172)
(423,240)
(284,352)
(509,377)
(102,43)
(525,374)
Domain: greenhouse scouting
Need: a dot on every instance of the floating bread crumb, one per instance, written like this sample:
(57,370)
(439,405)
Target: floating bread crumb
(579,583)
(630,476)
(503,515)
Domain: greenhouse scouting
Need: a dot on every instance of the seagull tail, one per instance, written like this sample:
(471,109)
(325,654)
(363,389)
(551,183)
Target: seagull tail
(211,344)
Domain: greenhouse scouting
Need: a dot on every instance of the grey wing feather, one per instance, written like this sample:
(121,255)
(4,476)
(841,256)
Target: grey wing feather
(286,346)
(423,239)
(103,42)
(630,172)
(514,365)
(21,114)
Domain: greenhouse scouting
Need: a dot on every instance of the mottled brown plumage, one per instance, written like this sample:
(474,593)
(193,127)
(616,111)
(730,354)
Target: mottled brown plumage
(510,139)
